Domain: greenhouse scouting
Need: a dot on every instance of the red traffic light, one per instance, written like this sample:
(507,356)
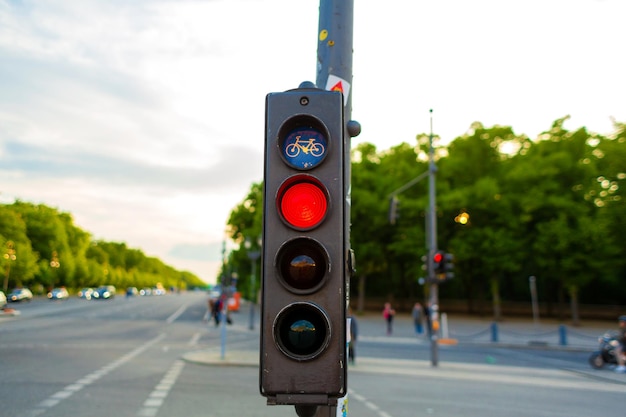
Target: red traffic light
(438,257)
(302,202)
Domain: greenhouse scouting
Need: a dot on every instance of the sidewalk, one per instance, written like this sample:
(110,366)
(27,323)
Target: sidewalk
(511,333)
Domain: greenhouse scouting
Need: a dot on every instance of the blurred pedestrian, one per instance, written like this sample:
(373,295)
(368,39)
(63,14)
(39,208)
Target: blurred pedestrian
(417,314)
(388,314)
(354,334)
(217,310)
(429,324)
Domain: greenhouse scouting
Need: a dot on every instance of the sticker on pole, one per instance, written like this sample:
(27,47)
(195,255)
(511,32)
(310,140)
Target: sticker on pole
(335,83)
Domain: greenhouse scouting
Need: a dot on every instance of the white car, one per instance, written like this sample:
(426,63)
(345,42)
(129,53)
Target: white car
(3,299)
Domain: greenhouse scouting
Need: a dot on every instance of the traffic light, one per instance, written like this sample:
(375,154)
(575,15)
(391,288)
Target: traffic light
(304,259)
(394,209)
(438,262)
(448,265)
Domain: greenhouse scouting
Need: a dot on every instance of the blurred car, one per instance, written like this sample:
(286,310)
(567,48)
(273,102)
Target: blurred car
(58,294)
(158,291)
(103,292)
(131,291)
(86,293)
(3,299)
(145,291)
(20,294)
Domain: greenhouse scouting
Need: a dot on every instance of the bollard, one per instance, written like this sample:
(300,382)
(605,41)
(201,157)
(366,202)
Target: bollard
(444,326)
(494,332)
(562,335)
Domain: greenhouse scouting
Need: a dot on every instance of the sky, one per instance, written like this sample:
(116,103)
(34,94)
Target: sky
(144,119)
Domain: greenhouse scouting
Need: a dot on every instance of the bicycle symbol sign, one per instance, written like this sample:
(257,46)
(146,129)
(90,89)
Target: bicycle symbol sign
(304,148)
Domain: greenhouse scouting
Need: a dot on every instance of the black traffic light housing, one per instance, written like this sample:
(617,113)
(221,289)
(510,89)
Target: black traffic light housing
(304,254)
(448,265)
(438,262)
(394,209)
(443,264)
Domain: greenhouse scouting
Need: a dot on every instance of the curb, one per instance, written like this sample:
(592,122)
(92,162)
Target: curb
(233,358)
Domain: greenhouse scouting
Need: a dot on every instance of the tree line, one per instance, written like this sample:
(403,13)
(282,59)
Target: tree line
(41,247)
(508,207)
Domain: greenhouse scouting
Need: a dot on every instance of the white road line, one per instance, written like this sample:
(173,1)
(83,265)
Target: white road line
(176,314)
(194,339)
(368,404)
(156,398)
(69,390)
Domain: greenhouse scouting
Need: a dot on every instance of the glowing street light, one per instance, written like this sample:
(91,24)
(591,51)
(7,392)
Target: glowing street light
(462,218)
(10,256)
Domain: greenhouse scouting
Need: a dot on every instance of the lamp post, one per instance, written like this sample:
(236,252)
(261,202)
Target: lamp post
(55,264)
(253,255)
(10,256)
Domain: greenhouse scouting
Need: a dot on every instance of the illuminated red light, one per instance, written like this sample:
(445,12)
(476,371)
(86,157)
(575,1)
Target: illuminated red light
(438,257)
(303,205)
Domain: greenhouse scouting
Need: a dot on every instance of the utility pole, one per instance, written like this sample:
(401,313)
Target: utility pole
(433,308)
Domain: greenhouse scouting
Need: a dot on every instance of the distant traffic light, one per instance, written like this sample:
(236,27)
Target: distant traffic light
(394,209)
(448,265)
(303,314)
(438,262)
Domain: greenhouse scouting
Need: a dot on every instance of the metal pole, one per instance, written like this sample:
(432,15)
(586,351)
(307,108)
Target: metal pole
(254,255)
(533,296)
(432,248)
(222,315)
(334,72)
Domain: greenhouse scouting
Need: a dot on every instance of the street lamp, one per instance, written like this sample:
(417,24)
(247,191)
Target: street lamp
(462,218)
(54,263)
(253,255)
(10,256)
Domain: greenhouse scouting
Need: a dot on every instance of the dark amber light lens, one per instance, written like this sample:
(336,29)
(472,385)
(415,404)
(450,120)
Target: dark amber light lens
(302,331)
(302,265)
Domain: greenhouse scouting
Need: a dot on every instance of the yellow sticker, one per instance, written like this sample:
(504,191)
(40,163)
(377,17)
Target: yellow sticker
(323,34)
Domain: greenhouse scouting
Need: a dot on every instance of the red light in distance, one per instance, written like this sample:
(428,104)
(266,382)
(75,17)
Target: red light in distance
(438,257)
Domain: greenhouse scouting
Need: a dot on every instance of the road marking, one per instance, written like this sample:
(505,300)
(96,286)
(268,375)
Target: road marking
(69,390)
(368,403)
(176,314)
(513,375)
(156,398)
(194,339)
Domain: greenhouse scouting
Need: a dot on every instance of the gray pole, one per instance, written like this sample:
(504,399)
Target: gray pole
(334,49)
(334,72)
(533,297)
(253,256)
(432,248)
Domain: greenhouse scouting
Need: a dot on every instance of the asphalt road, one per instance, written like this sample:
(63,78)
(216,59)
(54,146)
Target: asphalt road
(124,357)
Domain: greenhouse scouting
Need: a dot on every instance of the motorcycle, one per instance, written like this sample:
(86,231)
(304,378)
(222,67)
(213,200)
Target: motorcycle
(606,354)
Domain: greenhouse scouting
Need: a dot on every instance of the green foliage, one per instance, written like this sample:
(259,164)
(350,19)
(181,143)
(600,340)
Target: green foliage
(51,251)
(552,207)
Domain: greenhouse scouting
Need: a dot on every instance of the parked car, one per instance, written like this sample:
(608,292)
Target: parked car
(20,294)
(58,294)
(131,291)
(3,299)
(86,293)
(104,292)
